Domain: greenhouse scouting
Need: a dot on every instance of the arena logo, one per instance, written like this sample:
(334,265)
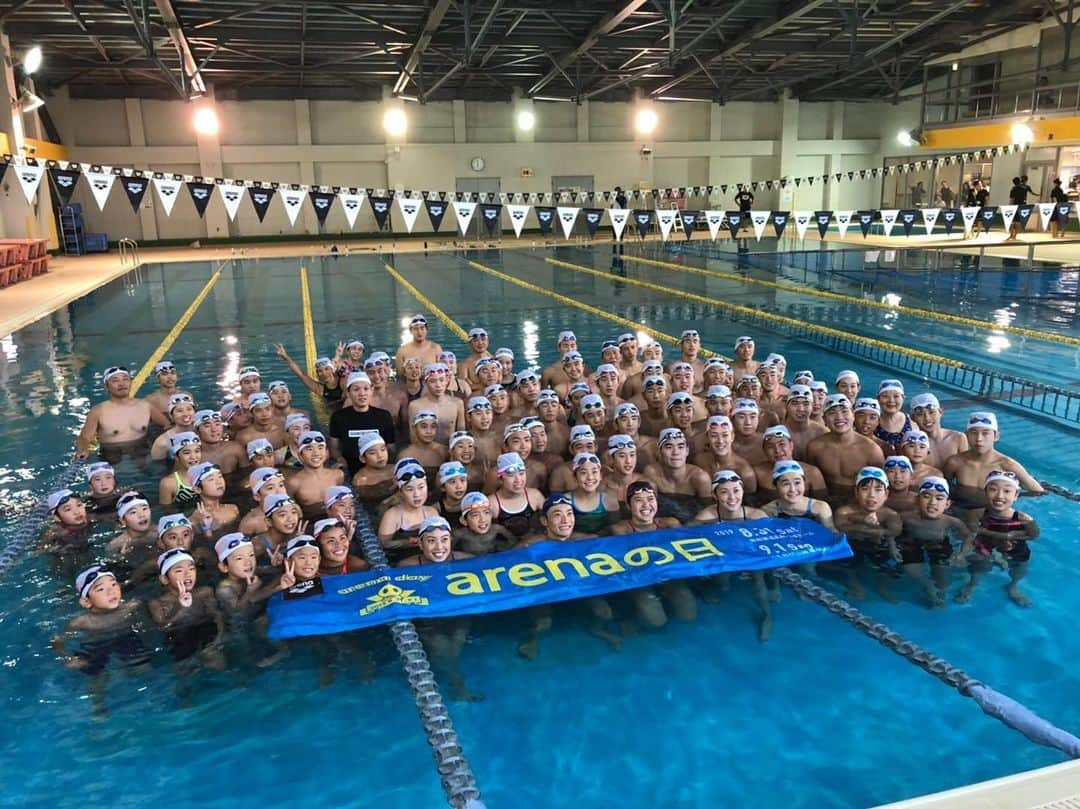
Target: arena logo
(65,180)
(200,193)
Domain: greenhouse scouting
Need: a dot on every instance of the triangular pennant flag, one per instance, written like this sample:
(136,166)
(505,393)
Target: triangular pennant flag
(759,219)
(802,222)
(410,209)
(517,217)
(714,219)
(866,220)
(618,218)
(64,181)
(380,208)
(545,216)
(969,215)
(1046,211)
(907,219)
(986,215)
(293,199)
(260,200)
(30,178)
(642,220)
(779,222)
(200,195)
(949,217)
(666,218)
(135,188)
(567,217)
(929,218)
(734,222)
(464,210)
(1063,214)
(823,218)
(436,210)
(888,219)
(592,219)
(101,183)
(322,201)
(1008,214)
(231,197)
(490,215)
(843,219)
(1023,214)
(689,220)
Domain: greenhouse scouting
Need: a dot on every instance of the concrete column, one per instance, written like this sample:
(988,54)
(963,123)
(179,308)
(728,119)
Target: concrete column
(308,221)
(137,137)
(583,122)
(836,121)
(789,135)
(715,117)
(459,121)
(16,219)
(523,105)
(210,165)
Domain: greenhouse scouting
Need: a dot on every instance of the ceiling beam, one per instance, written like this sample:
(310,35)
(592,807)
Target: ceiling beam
(179,39)
(70,6)
(605,26)
(485,26)
(423,39)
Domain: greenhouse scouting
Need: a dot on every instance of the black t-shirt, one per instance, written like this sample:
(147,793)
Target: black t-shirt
(981,197)
(347,424)
(744,199)
(1017,195)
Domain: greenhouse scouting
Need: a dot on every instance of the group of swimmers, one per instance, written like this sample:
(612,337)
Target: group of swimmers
(454,460)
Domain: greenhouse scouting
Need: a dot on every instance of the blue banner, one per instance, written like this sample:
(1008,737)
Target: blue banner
(548,572)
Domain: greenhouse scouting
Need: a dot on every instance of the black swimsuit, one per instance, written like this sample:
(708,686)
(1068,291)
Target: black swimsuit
(894,440)
(518,523)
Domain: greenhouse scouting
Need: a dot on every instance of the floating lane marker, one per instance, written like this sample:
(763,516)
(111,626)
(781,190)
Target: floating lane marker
(426,303)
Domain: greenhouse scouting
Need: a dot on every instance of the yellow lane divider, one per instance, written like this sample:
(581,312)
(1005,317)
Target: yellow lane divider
(746,310)
(311,352)
(426,302)
(632,325)
(836,296)
(170,338)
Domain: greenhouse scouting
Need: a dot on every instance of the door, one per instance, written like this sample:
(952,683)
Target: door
(573,184)
(1041,179)
(478,185)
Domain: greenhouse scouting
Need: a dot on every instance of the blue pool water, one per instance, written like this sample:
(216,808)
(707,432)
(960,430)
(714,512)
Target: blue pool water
(694,715)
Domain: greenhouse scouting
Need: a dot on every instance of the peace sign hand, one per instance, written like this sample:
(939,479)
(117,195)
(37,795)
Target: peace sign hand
(205,517)
(281,352)
(183,594)
(253,582)
(288,578)
(302,528)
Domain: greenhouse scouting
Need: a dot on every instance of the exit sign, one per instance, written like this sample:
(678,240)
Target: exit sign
(526,172)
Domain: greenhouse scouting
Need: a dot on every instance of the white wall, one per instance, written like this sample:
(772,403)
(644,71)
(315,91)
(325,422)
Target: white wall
(342,143)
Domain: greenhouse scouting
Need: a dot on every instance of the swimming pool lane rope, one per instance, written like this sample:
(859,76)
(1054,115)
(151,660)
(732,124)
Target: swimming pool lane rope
(33,524)
(993,703)
(456,775)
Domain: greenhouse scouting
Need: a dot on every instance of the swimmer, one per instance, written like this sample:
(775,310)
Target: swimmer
(746,441)
(281,399)
(772,395)
(718,401)
(400,525)
(228,455)
(263,423)
(967,471)
(593,507)
(582,439)
(551,414)
(633,387)
(654,393)
(748,387)
(680,482)
(718,454)
(776,445)
(489,372)
(500,406)
(449,410)
(557,522)
(187,614)
(167,378)
(690,344)
(349,357)
(820,391)
(288,457)
(355,416)
(526,394)
(116,422)
(680,408)
(926,413)
(791,501)
(628,423)
(684,378)
(420,347)
(424,447)
(242,595)
(926,535)
(478,534)
(212,516)
(173,488)
(650,602)
(261,483)
(374,482)
(915,446)
(903,497)
(849,384)
(621,472)
(628,355)
(480,418)
(110,628)
(514,504)
(478,346)
(517,438)
(798,409)
(841,452)
(745,364)
(308,485)
(181,411)
(463,450)
(261,454)
(235,418)
(453,483)
(717,372)
(872,529)
(539,452)
(137,539)
(412,378)
(554,375)
(894,422)
(326,383)
(866,413)
(174,531)
(505,358)
(593,413)
(250,381)
(68,536)
(103,493)
(387,395)
(283,522)
(1000,531)
(333,536)
(606,381)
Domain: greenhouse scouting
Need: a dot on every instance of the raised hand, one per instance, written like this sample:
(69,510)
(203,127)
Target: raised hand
(205,517)
(302,528)
(340,349)
(288,578)
(253,582)
(183,594)
(277,557)
(281,352)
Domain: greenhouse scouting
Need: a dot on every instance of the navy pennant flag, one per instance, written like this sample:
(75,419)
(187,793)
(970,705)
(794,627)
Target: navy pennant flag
(948,219)
(135,188)
(380,207)
(1023,214)
(200,195)
(823,218)
(689,220)
(1062,212)
(734,222)
(779,222)
(436,210)
(642,220)
(260,200)
(545,216)
(321,200)
(592,219)
(866,219)
(63,180)
(490,214)
(907,220)
(987,214)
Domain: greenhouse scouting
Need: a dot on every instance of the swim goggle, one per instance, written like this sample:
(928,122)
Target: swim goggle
(624,443)
(300,542)
(592,406)
(409,473)
(180,398)
(516,427)
(897,463)
(116,369)
(604,346)
(584,458)
(926,407)
(479,406)
(285,501)
(931,486)
(308,440)
(690,334)
(207,417)
(721,478)
(981,420)
(163,368)
(93,575)
(461,435)
(324,362)
(680,399)
(172,553)
(185,442)
(653,383)
(126,498)
(235,543)
(67,498)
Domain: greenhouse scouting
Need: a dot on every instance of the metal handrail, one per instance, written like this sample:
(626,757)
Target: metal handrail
(129,248)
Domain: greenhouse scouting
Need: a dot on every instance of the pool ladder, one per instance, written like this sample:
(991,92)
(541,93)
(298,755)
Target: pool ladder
(129,249)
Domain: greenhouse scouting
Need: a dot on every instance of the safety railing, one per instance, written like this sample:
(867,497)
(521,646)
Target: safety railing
(129,251)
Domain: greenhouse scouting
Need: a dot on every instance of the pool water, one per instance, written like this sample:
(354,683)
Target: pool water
(692,715)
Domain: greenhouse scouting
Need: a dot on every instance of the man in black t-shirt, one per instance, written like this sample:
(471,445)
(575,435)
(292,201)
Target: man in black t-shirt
(1017,196)
(745,200)
(357,416)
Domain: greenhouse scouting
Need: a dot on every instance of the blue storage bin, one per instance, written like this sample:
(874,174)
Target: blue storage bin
(95,243)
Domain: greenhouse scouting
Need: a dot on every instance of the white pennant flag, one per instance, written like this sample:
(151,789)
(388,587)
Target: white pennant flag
(714,219)
(168,190)
(567,217)
(929,218)
(101,183)
(618,218)
(666,218)
(464,212)
(802,222)
(888,219)
(231,195)
(517,217)
(1008,213)
(351,203)
(969,214)
(760,220)
(843,219)
(29,179)
(410,209)
(293,200)
(1046,210)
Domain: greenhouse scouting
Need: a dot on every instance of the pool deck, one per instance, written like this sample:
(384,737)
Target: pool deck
(1056,787)
(69,278)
